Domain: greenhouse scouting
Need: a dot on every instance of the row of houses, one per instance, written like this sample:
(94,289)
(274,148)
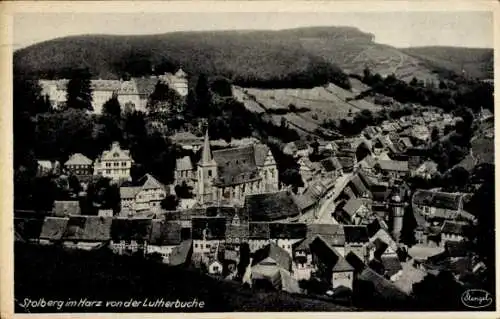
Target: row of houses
(114,163)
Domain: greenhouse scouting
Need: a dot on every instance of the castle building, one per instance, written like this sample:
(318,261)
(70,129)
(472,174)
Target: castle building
(228,175)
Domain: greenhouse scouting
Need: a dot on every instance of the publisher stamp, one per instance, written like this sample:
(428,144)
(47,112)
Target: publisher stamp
(476,298)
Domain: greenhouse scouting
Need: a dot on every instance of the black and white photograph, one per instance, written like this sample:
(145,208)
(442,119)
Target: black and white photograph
(253,161)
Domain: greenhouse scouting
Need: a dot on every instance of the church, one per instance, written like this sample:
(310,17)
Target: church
(226,176)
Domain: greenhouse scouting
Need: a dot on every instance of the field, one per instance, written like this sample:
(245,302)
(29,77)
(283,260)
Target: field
(328,102)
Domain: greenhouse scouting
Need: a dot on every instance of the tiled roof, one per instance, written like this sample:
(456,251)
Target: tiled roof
(359,187)
(129,191)
(128,87)
(437,199)
(181,253)
(235,165)
(271,206)
(105,85)
(165,233)
(149,182)
(183,164)
(260,153)
(78,159)
(329,256)
(388,165)
(259,230)
(54,228)
(355,234)
(352,205)
(88,228)
(392,265)
(333,234)
(208,227)
(383,286)
(66,208)
(287,230)
(130,229)
(274,252)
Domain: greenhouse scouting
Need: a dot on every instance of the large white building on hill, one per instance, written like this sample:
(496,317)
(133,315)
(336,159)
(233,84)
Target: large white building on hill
(133,93)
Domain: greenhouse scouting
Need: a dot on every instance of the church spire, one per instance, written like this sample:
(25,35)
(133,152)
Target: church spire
(206,156)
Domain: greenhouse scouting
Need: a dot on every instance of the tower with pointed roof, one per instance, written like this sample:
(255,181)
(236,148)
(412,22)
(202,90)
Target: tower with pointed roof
(207,172)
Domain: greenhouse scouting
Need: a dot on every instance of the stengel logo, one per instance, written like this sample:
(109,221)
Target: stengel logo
(476,298)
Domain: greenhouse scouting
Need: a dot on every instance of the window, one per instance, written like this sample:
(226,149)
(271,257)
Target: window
(208,245)
(108,164)
(116,164)
(209,173)
(124,163)
(116,155)
(216,268)
(108,171)
(195,245)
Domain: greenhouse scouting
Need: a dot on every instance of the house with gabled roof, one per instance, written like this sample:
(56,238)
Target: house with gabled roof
(147,195)
(271,268)
(330,265)
(87,232)
(163,238)
(129,235)
(184,172)
(79,165)
(435,205)
(207,234)
(394,169)
(286,235)
(332,234)
(356,238)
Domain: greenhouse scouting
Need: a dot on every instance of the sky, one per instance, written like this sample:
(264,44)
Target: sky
(399,29)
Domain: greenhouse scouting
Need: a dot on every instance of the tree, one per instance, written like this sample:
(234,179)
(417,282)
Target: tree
(170,202)
(203,95)
(74,184)
(221,86)
(435,134)
(184,191)
(112,107)
(79,91)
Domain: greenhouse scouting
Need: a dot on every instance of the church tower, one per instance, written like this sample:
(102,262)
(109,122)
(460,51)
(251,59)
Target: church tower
(398,210)
(207,172)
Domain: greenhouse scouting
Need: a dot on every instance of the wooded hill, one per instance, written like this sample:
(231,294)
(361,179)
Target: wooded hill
(302,57)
